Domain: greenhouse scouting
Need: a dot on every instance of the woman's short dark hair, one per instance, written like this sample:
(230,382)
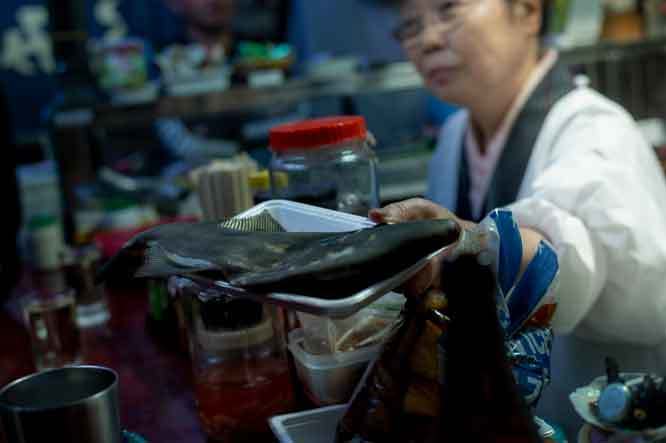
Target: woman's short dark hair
(545,15)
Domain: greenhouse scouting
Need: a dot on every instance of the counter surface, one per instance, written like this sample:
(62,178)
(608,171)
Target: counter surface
(156,398)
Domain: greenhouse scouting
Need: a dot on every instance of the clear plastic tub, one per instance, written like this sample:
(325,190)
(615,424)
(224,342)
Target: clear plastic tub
(367,327)
(329,379)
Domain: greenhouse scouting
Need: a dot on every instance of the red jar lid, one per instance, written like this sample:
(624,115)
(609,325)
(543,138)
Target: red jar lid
(310,134)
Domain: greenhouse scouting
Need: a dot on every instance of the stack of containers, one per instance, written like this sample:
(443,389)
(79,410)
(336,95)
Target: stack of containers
(328,163)
(330,376)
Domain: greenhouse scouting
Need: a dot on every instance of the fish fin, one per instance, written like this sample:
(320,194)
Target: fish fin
(159,262)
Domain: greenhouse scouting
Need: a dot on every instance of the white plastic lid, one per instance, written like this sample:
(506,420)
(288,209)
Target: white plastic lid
(218,341)
(328,361)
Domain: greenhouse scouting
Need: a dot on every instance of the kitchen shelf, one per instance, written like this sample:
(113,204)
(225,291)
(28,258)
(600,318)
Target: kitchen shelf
(79,134)
(396,77)
(608,51)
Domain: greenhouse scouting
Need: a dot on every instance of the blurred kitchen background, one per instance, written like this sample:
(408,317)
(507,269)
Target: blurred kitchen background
(113,103)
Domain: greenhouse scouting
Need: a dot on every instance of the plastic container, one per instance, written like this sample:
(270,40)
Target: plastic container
(327,162)
(207,80)
(120,65)
(367,327)
(329,379)
(240,366)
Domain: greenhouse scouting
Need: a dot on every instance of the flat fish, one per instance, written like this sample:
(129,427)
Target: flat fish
(325,265)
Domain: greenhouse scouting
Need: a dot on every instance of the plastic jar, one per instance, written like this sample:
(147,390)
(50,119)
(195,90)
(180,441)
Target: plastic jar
(325,162)
(239,355)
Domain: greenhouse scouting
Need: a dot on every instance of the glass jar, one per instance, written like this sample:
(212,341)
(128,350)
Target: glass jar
(240,366)
(325,162)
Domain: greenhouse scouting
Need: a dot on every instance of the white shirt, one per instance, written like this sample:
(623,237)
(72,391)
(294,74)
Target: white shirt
(594,188)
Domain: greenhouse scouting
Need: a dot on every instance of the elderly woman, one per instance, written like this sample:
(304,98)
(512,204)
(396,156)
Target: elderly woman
(570,164)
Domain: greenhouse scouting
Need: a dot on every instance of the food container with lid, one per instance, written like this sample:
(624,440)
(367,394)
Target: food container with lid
(240,366)
(329,379)
(325,162)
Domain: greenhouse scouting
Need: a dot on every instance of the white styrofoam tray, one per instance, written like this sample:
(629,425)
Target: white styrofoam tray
(298,217)
(313,426)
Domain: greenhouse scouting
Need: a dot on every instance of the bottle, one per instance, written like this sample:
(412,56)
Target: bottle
(655,18)
(92,310)
(49,254)
(91,304)
(325,162)
(623,21)
(478,384)
(161,320)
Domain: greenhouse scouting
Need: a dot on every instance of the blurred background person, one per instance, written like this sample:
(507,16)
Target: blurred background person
(208,22)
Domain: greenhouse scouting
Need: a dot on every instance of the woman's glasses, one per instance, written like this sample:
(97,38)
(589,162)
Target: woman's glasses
(448,15)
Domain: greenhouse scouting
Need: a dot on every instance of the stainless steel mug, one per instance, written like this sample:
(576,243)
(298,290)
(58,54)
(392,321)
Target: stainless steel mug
(75,404)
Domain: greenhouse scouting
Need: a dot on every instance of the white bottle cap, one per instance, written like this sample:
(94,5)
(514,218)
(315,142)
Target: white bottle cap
(47,243)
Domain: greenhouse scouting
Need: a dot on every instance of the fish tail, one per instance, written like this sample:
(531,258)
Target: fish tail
(122,266)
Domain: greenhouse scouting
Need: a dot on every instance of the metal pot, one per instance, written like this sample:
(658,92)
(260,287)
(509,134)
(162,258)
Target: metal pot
(76,404)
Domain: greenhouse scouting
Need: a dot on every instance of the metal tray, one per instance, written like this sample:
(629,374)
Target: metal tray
(297,217)
(340,308)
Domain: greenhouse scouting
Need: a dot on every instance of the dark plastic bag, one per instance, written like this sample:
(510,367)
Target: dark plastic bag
(474,397)
(468,368)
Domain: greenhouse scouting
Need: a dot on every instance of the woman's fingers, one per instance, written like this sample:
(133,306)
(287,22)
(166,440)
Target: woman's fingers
(412,210)
(409,210)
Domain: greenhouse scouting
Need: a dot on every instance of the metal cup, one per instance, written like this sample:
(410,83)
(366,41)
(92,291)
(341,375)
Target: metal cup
(75,404)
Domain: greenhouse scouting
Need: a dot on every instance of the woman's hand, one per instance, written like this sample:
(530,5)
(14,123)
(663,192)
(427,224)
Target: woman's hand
(421,209)
(413,210)
(410,210)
